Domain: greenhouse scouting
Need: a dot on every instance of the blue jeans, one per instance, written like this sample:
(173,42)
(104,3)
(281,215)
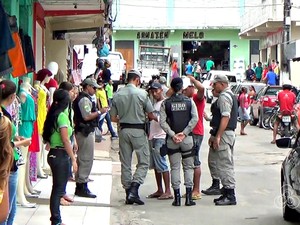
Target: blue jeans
(58,161)
(197,139)
(13,183)
(109,125)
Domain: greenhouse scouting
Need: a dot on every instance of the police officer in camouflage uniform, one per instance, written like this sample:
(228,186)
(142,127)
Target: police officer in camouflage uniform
(130,105)
(178,118)
(222,138)
(85,119)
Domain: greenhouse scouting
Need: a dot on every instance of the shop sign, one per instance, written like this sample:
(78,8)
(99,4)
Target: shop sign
(193,35)
(152,35)
(271,40)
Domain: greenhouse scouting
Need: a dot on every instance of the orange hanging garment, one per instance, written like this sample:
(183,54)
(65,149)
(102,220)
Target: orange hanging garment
(16,57)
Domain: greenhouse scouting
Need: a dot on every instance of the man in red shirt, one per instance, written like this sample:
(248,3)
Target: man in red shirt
(286,99)
(189,85)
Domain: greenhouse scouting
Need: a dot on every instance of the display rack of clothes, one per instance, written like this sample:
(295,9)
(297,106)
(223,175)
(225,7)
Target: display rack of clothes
(16,51)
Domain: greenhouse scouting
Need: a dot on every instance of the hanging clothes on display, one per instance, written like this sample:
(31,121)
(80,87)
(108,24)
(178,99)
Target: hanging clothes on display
(27,51)
(15,112)
(6,43)
(42,109)
(75,60)
(29,56)
(34,147)
(16,55)
(28,115)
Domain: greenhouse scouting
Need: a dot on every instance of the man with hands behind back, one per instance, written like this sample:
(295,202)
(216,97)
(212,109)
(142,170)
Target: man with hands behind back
(178,118)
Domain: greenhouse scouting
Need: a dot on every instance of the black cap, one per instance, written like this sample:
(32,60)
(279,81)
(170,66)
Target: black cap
(177,84)
(155,85)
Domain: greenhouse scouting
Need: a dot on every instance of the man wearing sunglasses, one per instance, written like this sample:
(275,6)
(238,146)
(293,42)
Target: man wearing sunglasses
(85,119)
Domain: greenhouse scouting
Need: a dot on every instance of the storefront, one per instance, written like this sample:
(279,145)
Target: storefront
(224,45)
(52,29)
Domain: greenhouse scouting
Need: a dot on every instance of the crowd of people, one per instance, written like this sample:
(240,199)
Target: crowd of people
(176,131)
(169,119)
(269,74)
(194,68)
(286,99)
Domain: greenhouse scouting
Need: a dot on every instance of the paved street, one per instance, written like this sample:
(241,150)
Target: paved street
(258,192)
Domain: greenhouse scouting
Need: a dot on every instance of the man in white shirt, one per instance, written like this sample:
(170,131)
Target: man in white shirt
(157,138)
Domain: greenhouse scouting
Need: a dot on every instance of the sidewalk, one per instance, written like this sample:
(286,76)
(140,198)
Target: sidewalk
(83,211)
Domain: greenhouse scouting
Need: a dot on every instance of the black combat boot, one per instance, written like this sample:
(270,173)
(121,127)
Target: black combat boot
(78,189)
(223,195)
(188,199)
(229,198)
(177,198)
(83,191)
(214,189)
(91,195)
(133,196)
(127,191)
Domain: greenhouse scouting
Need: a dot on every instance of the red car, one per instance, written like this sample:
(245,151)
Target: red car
(264,101)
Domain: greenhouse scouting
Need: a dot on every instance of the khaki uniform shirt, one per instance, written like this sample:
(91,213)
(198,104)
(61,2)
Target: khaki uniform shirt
(130,104)
(225,102)
(85,106)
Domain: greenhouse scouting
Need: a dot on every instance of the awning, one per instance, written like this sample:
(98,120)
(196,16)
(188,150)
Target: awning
(66,15)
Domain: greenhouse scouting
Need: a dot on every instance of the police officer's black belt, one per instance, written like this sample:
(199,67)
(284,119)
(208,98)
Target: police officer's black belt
(132,125)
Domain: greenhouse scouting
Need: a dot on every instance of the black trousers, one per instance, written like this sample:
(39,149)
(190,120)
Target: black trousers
(58,160)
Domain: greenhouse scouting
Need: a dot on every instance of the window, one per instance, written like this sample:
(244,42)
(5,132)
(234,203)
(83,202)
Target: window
(273,91)
(152,43)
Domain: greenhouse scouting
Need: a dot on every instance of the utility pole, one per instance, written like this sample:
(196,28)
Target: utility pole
(286,38)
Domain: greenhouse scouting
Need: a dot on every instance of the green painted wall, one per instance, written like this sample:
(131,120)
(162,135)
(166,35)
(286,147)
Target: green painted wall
(239,48)
(23,10)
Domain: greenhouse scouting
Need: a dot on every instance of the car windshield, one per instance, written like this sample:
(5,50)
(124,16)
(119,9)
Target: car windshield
(273,91)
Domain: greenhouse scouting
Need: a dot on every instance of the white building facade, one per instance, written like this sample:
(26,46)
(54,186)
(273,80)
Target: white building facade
(265,23)
(204,22)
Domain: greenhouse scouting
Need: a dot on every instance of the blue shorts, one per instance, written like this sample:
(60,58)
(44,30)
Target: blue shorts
(197,145)
(157,162)
(244,116)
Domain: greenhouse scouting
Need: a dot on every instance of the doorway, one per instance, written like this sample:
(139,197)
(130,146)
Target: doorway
(127,50)
(200,51)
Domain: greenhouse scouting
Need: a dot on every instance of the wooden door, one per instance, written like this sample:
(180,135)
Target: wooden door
(127,50)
